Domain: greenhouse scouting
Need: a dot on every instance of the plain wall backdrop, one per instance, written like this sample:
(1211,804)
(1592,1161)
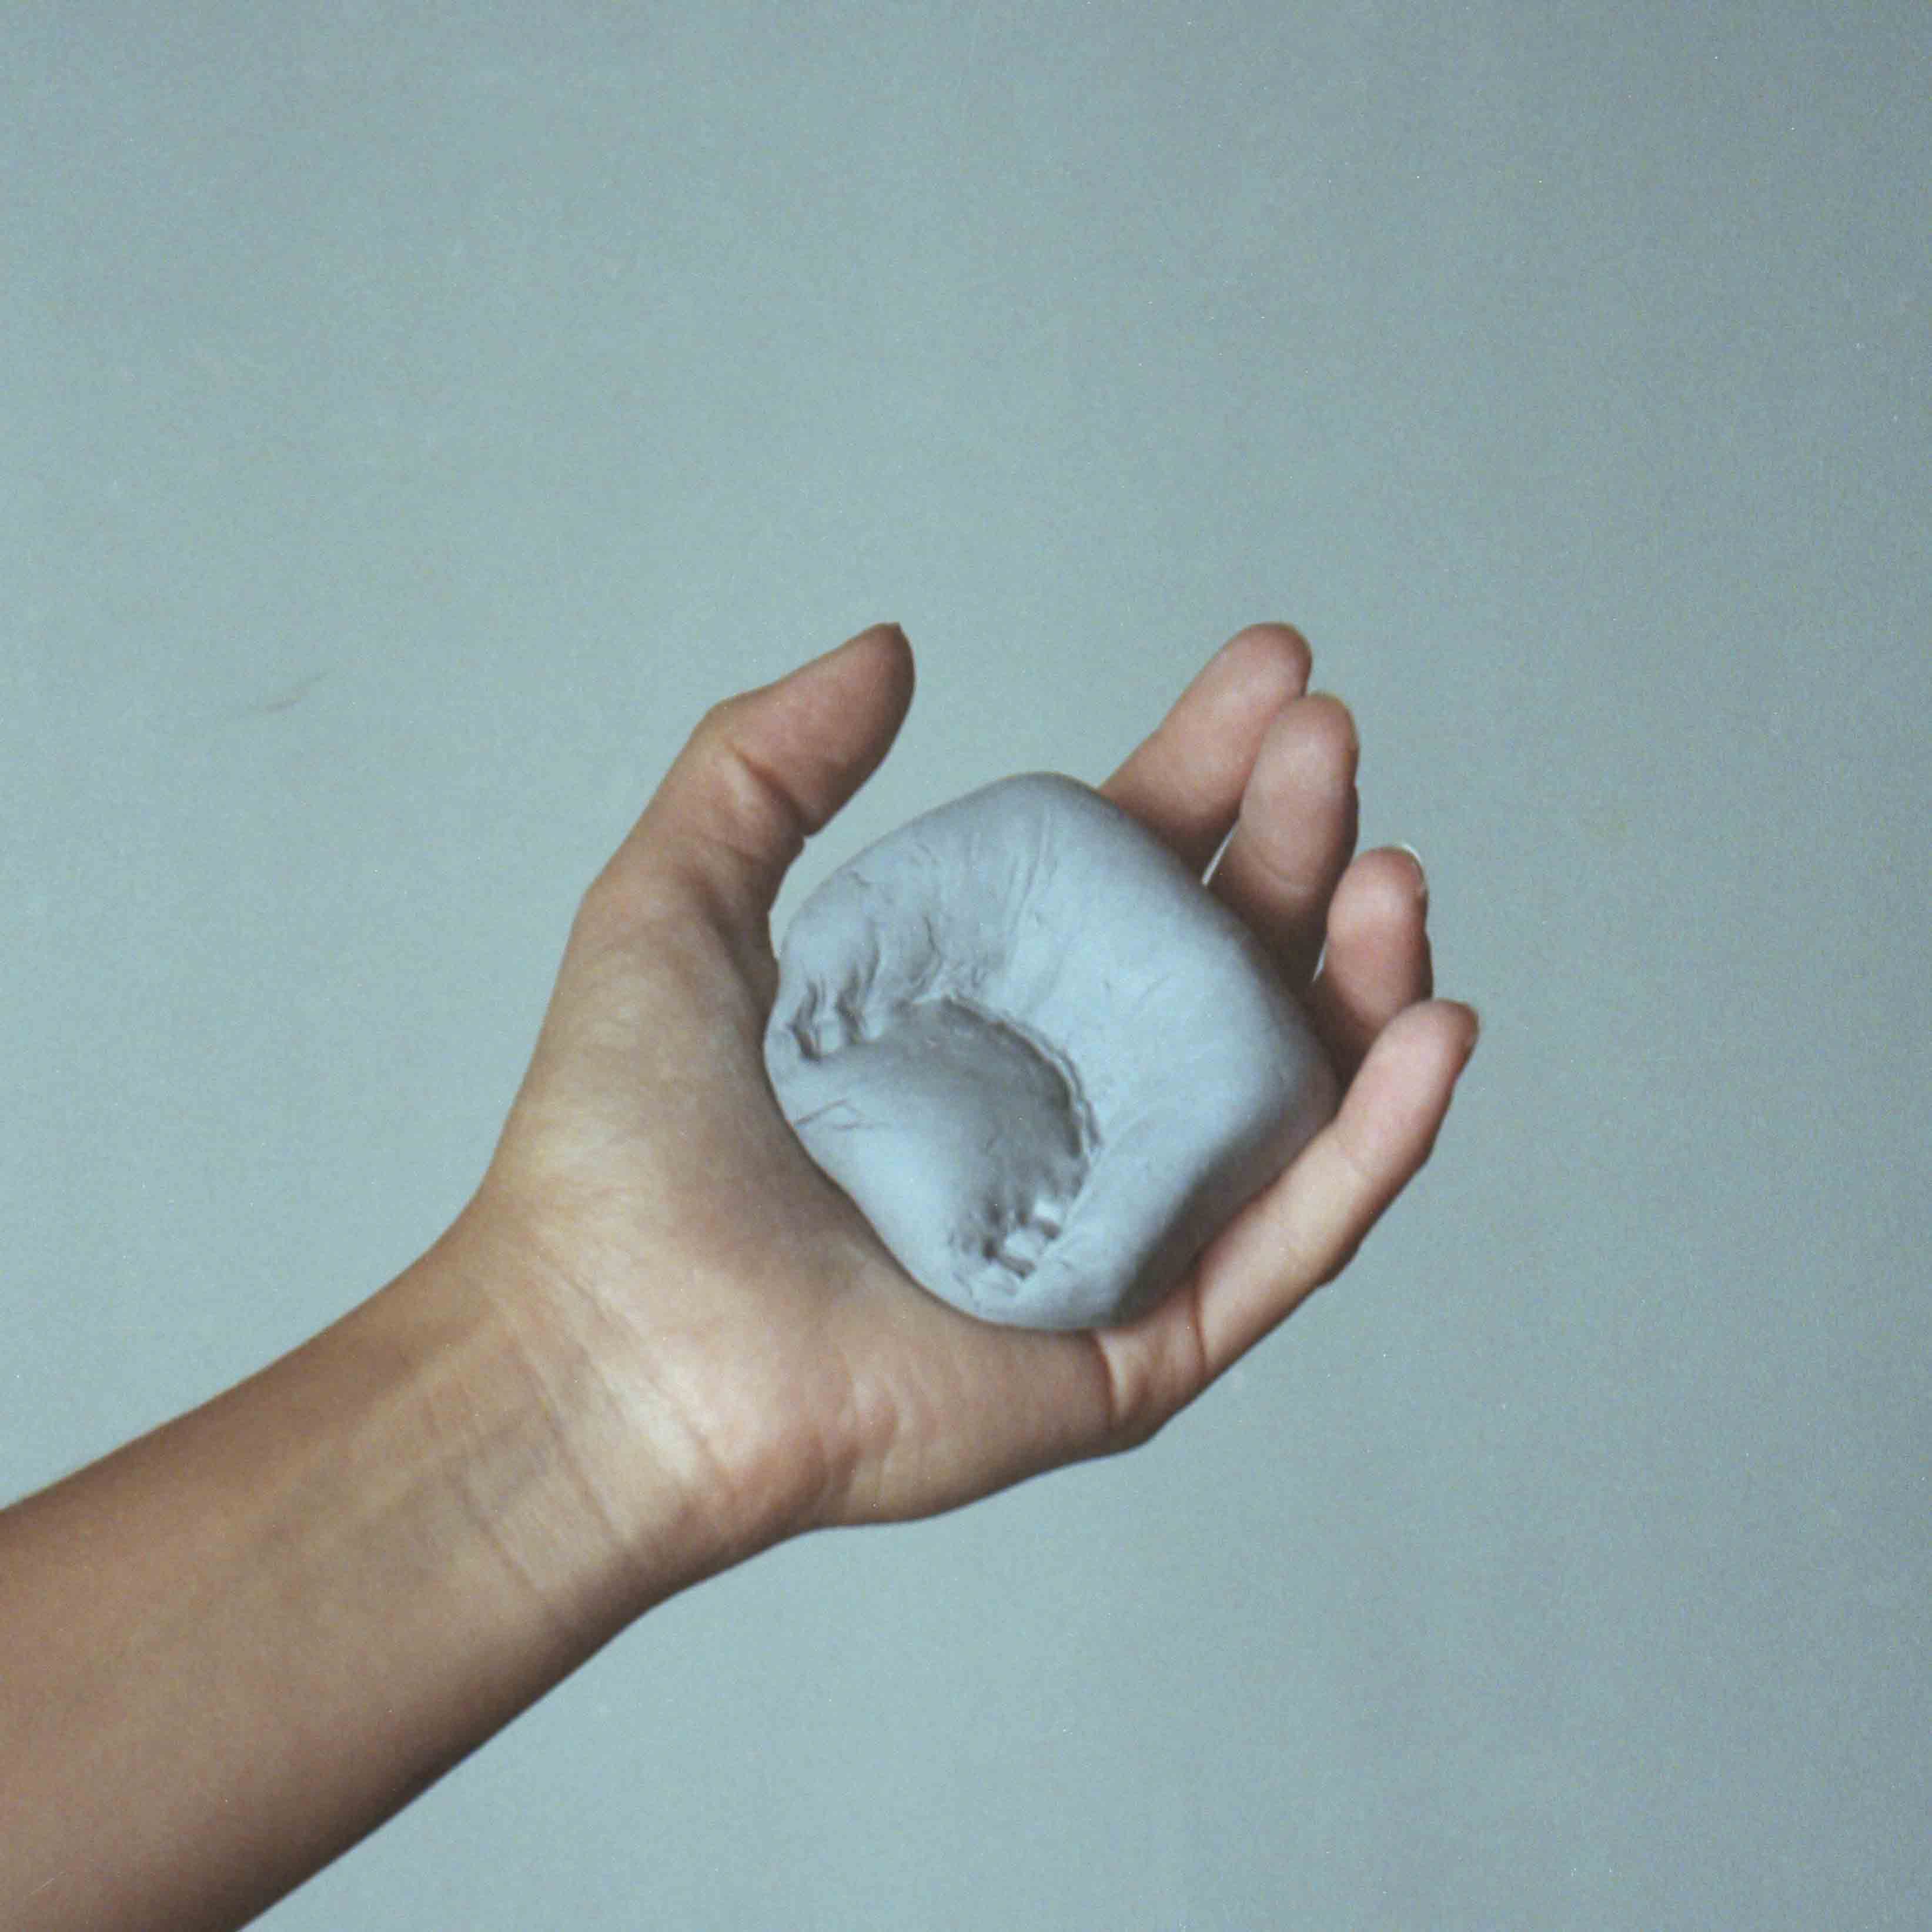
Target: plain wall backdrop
(411,418)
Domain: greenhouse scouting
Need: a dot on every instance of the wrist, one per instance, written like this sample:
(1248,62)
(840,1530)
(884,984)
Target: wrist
(584,1442)
(539,1440)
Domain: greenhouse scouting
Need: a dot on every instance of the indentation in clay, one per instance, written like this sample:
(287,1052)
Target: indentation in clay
(1045,1062)
(966,1093)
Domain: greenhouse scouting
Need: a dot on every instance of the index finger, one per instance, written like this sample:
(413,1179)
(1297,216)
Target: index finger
(1184,781)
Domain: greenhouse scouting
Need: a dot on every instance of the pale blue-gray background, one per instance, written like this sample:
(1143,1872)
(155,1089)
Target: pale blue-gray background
(411,418)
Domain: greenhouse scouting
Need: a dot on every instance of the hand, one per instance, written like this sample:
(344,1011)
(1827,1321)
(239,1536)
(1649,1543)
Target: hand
(749,1331)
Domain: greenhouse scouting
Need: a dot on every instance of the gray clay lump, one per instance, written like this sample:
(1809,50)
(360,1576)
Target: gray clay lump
(1046,1063)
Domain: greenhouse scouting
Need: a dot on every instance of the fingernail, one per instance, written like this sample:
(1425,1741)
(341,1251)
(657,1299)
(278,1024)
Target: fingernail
(1423,890)
(1355,734)
(1475,1031)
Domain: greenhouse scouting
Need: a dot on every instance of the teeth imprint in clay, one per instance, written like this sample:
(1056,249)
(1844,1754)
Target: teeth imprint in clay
(1046,1063)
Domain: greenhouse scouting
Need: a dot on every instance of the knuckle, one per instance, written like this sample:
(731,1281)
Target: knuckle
(624,900)
(718,717)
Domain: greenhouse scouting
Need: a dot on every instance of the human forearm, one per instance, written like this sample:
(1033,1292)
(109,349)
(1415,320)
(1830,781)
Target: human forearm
(240,1643)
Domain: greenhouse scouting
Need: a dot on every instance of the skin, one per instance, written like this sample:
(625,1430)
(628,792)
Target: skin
(657,1340)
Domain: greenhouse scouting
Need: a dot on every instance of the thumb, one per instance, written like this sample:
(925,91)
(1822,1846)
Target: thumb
(765,769)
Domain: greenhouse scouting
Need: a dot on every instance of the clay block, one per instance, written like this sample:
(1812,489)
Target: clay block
(1044,1059)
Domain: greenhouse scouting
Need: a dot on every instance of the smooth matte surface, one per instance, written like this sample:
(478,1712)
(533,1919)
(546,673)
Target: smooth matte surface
(412,419)
(1044,1059)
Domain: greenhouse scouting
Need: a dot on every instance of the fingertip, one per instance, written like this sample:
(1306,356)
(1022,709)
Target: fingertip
(889,638)
(901,673)
(1454,1042)
(1421,871)
(1268,662)
(891,635)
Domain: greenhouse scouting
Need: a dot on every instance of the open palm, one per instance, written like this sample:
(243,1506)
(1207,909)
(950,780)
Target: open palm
(749,1326)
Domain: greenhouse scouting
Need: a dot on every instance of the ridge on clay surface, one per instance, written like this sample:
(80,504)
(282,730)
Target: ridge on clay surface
(1046,1063)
